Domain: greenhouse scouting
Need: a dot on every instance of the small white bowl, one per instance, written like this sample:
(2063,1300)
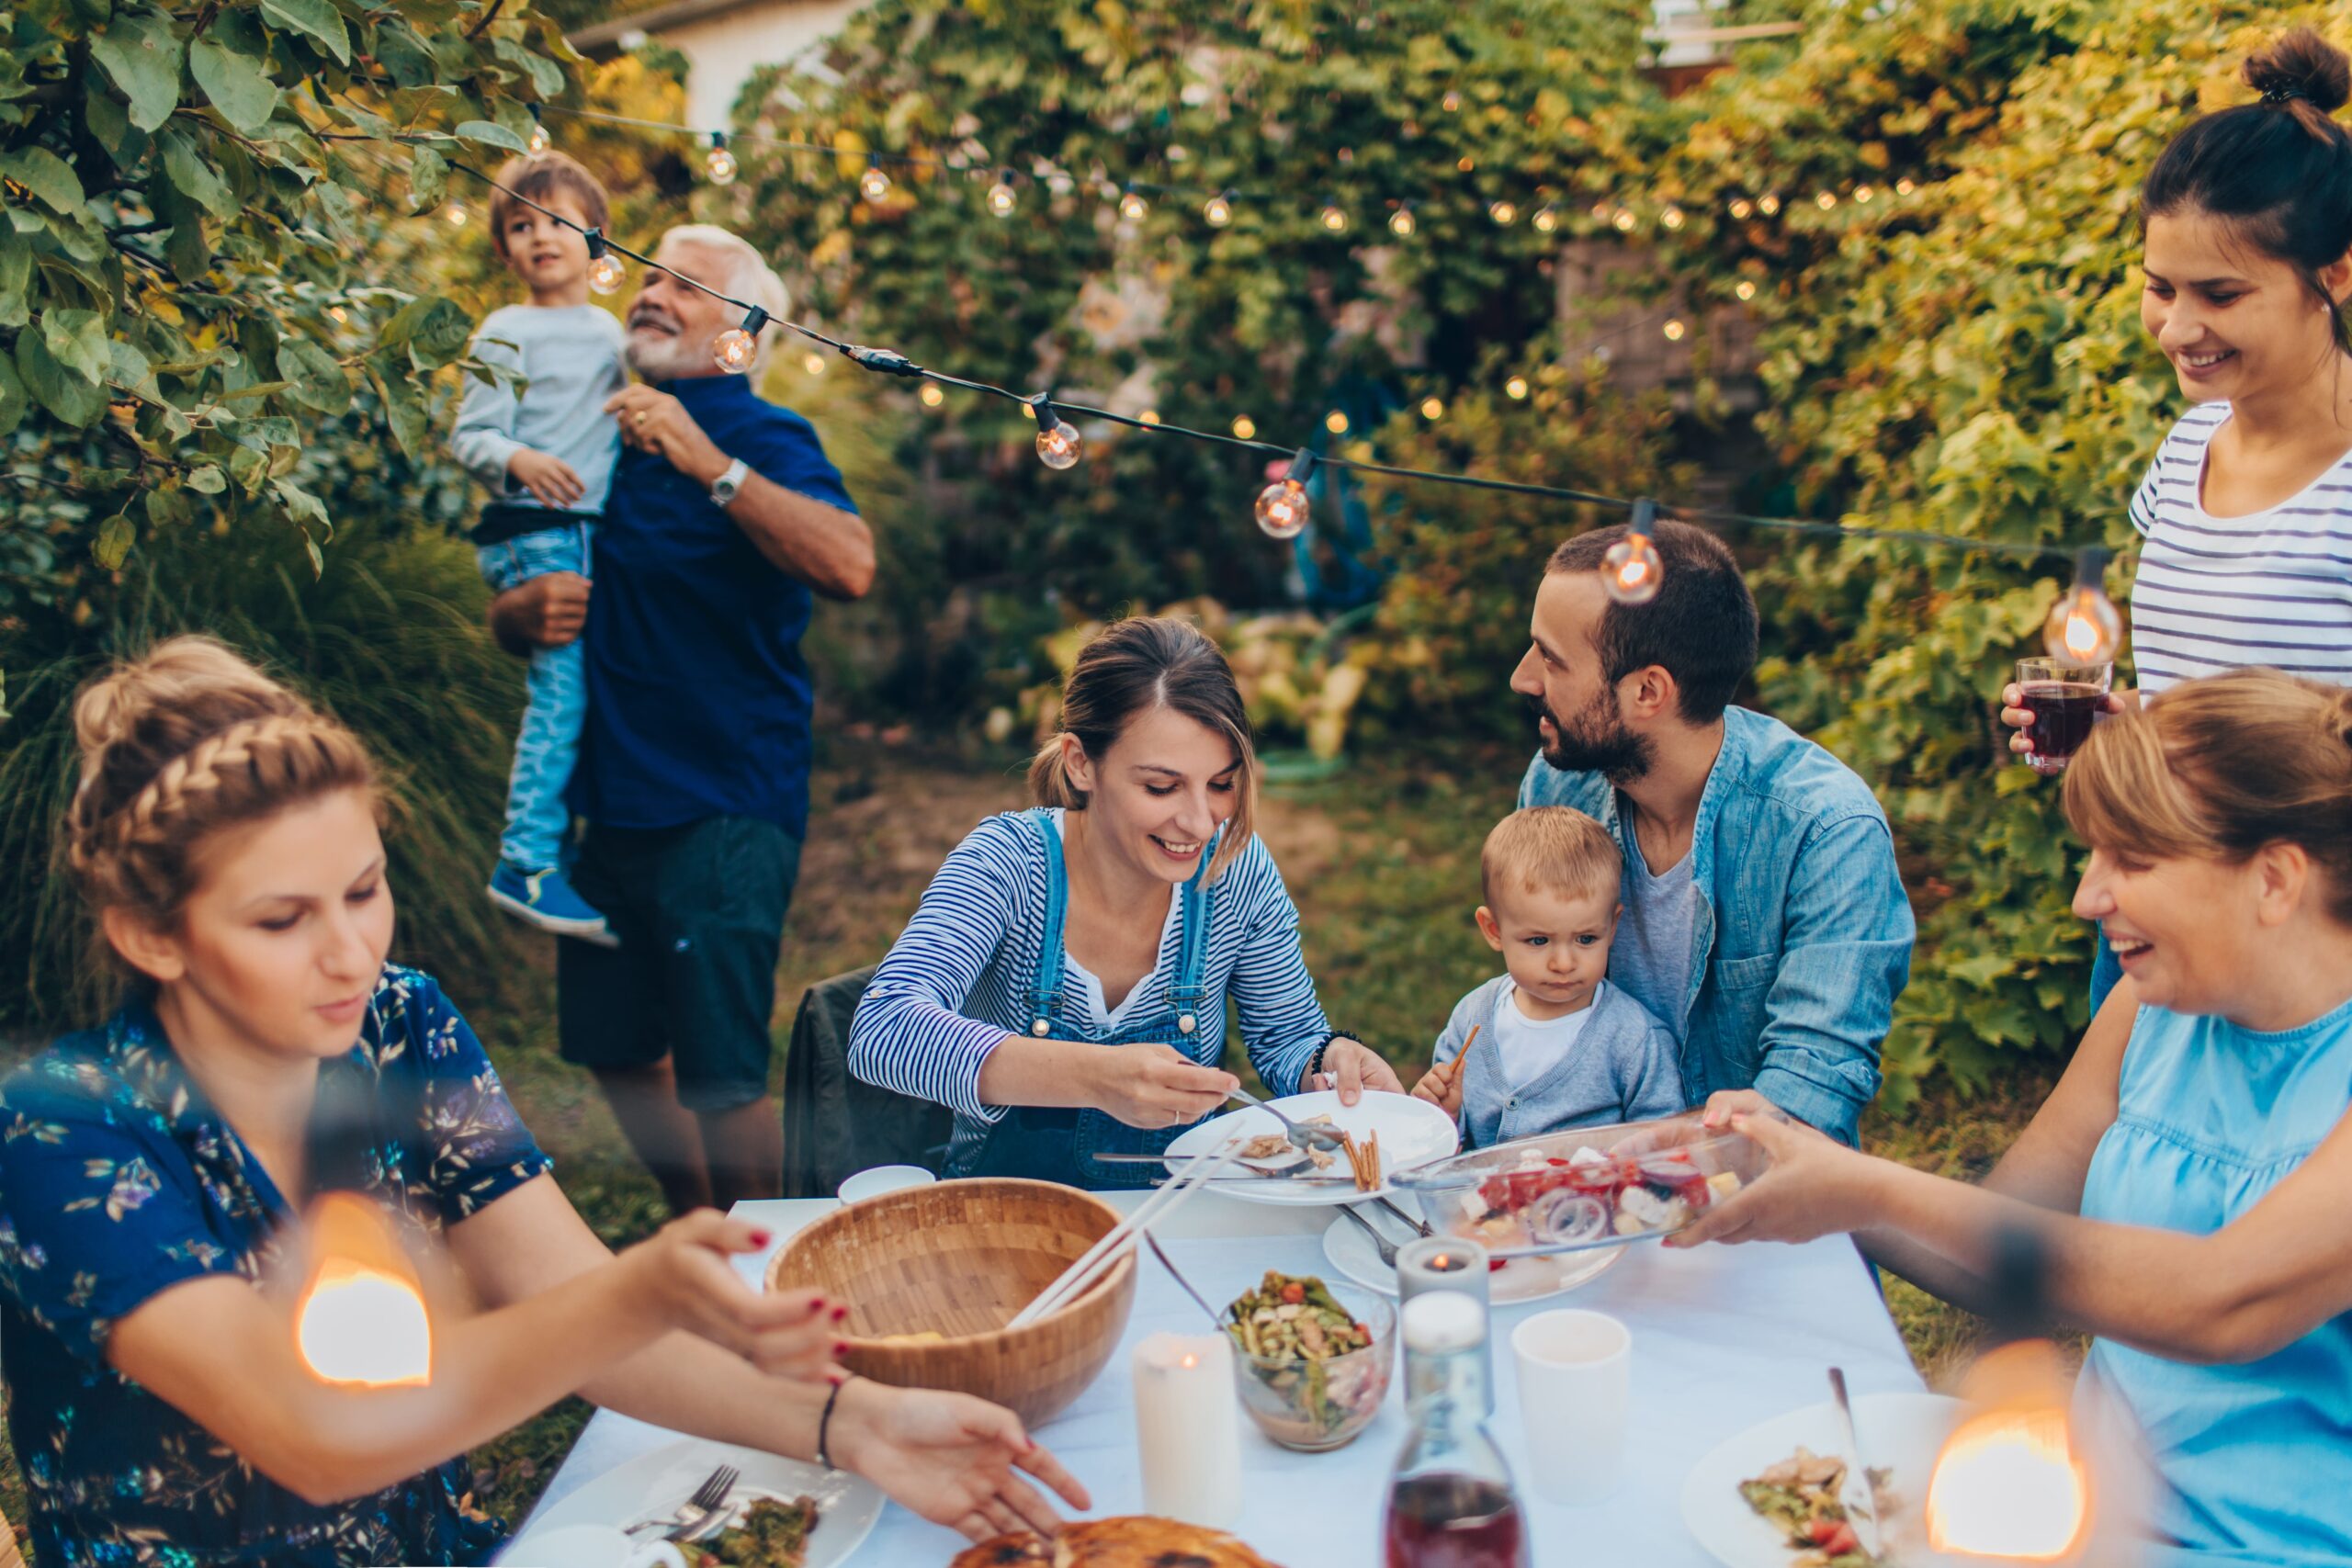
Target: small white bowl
(877,1180)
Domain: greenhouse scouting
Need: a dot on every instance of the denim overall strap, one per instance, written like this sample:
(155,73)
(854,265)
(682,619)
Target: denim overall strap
(1045,986)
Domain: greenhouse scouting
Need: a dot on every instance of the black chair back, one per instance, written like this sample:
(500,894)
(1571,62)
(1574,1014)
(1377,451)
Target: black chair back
(835,1123)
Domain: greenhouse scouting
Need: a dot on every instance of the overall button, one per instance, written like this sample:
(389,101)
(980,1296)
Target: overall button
(1186,1023)
(1041,1029)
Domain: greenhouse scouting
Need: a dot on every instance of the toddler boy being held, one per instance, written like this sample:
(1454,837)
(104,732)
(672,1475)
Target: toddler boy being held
(1556,1045)
(547,450)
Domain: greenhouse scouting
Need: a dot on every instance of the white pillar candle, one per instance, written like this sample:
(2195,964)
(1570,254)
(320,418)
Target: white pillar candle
(1188,1429)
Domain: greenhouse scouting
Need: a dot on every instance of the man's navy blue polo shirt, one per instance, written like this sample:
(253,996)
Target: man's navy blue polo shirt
(698,699)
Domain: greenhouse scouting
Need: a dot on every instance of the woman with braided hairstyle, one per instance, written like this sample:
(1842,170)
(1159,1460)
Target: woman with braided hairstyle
(151,1169)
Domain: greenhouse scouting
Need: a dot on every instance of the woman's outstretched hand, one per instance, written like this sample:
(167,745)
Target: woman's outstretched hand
(1155,1086)
(682,1272)
(953,1459)
(1814,1187)
(1353,1067)
(2018,716)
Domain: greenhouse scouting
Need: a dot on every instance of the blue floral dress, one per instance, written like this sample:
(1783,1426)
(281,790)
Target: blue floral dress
(118,1180)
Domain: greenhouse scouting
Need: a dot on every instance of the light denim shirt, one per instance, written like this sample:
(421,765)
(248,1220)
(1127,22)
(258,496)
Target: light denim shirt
(1621,1069)
(1803,936)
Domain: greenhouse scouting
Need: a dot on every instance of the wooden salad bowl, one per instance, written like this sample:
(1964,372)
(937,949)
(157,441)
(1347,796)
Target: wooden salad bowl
(959,1259)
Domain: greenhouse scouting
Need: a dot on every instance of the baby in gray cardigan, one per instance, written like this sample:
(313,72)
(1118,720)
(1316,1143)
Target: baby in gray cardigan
(1556,1044)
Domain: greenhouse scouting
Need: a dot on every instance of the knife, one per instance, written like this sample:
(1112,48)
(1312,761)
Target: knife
(1854,1494)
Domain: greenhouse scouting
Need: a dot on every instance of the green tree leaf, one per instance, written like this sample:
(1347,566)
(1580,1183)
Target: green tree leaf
(207,480)
(195,176)
(404,411)
(491,134)
(13,403)
(78,341)
(139,51)
(317,18)
(428,178)
(316,380)
(16,278)
(238,85)
(47,175)
(114,541)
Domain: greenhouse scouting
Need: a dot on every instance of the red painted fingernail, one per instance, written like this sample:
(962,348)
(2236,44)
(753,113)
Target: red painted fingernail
(837,1377)
(759,1239)
(840,1315)
(816,1304)
(840,1346)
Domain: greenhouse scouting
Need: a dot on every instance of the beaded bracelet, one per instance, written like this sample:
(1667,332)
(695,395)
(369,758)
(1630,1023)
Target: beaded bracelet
(1315,1063)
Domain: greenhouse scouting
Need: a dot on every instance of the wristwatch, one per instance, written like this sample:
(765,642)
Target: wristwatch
(725,488)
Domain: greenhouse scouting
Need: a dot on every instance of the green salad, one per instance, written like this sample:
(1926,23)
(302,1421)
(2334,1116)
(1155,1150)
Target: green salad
(768,1534)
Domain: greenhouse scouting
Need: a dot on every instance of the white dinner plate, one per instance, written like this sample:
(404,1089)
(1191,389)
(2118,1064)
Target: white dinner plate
(653,1486)
(1412,1131)
(1901,1432)
(1520,1279)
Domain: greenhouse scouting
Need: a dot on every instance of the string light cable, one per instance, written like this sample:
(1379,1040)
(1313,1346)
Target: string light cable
(2083,625)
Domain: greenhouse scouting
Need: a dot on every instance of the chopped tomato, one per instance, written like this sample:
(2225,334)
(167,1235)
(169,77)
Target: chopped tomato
(1294,1294)
(1834,1537)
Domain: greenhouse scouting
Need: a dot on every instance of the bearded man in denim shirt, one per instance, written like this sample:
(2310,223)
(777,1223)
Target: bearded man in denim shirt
(1764,920)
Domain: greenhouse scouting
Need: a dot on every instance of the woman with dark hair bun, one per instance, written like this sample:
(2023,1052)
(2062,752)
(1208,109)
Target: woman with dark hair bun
(2246,512)
(1121,912)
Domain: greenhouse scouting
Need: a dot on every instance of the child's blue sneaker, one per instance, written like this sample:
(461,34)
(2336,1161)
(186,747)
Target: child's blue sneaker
(546,899)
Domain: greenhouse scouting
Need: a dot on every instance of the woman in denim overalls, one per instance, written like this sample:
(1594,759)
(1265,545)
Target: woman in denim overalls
(1137,877)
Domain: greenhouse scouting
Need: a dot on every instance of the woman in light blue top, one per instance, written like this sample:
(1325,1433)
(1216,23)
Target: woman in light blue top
(2187,1179)
(1121,912)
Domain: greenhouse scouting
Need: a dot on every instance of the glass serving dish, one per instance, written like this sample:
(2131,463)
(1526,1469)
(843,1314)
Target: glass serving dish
(1588,1187)
(1317,1404)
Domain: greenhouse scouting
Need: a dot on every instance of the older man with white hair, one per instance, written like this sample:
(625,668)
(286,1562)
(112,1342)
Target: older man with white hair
(725,520)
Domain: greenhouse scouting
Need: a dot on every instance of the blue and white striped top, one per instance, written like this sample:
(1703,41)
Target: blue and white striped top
(956,981)
(2273,587)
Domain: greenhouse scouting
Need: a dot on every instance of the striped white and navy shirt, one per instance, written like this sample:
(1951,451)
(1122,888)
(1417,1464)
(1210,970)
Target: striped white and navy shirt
(2273,587)
(957,979)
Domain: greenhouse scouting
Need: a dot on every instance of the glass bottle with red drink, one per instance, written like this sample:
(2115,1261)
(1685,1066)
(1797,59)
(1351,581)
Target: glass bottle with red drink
(1451,1502)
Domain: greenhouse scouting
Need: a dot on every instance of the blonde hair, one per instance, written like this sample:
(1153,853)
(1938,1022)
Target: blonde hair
(176,746)
(2218,767)
(1550,849)
(1131,667)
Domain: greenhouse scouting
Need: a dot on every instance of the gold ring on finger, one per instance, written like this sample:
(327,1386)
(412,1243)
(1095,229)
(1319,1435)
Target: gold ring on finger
(641,416)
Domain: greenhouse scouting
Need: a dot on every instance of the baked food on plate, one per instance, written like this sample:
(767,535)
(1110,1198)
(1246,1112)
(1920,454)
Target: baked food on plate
(1136,1541)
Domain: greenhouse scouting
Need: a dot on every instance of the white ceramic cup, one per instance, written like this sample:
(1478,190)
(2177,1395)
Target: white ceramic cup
(875,1180)
(1575,1374)
(591,1546)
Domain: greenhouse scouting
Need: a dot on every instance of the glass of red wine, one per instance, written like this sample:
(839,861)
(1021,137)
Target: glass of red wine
(2064,697)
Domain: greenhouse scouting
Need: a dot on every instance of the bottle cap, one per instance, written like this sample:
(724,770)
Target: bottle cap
(1436,1321)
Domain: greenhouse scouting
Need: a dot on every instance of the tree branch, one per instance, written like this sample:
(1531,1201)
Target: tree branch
(487,17)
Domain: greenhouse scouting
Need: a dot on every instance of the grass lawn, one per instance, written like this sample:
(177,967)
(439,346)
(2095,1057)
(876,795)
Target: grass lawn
(1383,864)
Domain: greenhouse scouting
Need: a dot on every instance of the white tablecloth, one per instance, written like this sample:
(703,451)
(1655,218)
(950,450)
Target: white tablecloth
(1723,1337)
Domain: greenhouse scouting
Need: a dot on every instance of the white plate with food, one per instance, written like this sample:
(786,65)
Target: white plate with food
(770,1491)
(1410,1132)
(1518,1280)
(1794,1462)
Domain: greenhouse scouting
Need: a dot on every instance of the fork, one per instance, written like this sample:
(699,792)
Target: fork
(1381,1244)
(708,1500)
(1305,1137)
(1419,1227)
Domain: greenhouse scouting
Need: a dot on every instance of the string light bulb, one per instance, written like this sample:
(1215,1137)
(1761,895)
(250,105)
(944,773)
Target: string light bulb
(720,163)
(1335,422)
(1432,408)
(1741,207)
(1744,288)
(737,346)
(1516,387)
(1671,217)
(813,363)
(1904,187)
(931,395)
(540,142)
(1219,210)
(1244,427)
(1401,222)
(1058,444)
(1864,193)
(1631,573)
(2082,626)
(454,214)
(1674,330)
(1283,506)
(1149,416)
(1451,102)
(1545,220)
(1825,201)
(606,273)
(1504,213)
(1623,220)
(1334,218)
(1132,206)
(872,185)
(1769,205)
(1002,201)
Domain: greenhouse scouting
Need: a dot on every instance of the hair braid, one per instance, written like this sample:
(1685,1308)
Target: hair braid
(178,745)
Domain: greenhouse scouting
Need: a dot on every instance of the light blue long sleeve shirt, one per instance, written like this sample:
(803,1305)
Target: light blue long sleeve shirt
(1804,933)
(570,357)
